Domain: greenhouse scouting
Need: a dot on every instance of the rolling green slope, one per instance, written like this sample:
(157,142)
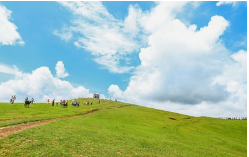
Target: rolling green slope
(118,129)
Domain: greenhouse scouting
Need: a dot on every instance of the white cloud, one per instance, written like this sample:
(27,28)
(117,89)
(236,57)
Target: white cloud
(115,91)
(8,30)
(109,39)
(8,70)
(41,85)
(234,77)
(182,67)
(65,34)
(186,70)
(60,70)
(233,3)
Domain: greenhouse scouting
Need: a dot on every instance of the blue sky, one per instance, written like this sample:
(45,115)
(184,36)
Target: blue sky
(64,32)
(36,21)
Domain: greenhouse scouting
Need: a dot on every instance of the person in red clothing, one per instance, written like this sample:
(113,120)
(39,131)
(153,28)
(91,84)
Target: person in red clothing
(48,101)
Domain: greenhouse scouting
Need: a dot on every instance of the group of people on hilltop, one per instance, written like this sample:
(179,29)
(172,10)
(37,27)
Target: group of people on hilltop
(63,103)
(88,103)
(75,103)
(27,100)
(13,98)
(52,102)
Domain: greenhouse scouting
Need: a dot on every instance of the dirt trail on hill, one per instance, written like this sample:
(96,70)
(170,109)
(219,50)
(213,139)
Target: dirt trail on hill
(5,131)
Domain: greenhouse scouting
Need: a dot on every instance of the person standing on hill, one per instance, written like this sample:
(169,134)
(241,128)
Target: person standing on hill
(14,98)
(11,100)
(26,99)
(61,103)
(48,101)
(53,102)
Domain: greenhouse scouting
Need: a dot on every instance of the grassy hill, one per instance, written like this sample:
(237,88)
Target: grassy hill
(119,129)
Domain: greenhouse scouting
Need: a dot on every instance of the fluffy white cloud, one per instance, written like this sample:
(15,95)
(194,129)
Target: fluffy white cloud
(41,85)
(183,69)
(8,30)
(60,70)
(109,39)
(186,70)
(115,91)
(233,3)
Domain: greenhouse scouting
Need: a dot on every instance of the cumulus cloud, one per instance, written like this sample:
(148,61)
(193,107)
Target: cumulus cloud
(41,85)
(108,39)
(234,78)
(186,70)
(8,30)
(183,69)
(115,91)
(233,3)
(60,70)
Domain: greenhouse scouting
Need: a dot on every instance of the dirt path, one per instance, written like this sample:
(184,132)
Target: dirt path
(5,131)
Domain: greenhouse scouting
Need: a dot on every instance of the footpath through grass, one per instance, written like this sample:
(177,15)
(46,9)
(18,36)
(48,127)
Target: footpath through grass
(131,131)
(16,113)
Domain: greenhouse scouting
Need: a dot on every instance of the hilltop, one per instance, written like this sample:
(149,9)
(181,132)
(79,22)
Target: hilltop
(118,129)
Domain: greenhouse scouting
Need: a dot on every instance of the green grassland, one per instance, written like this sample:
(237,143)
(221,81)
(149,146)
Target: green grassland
(120,129)
(11,114)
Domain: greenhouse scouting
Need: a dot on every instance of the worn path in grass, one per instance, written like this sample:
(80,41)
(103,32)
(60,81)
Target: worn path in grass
(5,131)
